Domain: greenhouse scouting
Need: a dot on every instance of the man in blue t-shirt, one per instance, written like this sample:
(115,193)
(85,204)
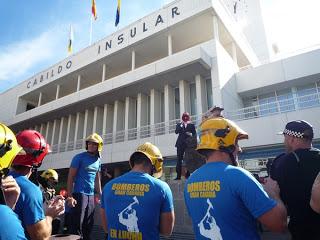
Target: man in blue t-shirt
(224,200)
(137,205)
(83,183)
(29,208)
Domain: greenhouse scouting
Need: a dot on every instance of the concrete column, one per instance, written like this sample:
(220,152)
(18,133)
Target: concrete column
(60,130)
(41,128)
(234,52)
(130,115)
(184,95)
(57,91)
(133,60)
(142,114)
(202,105)
(76,129)
(103,72)
(155,106)
(215,27)
(47,130)
(68,128)
(168,105)
(169,45)
(95,116)
(104,123)
(115,119)
(53,131)
(216,91)
(78,83)
(107,119)
(40,99)
(85,124)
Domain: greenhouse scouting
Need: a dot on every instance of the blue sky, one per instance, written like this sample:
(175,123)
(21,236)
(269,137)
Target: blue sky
(34,33)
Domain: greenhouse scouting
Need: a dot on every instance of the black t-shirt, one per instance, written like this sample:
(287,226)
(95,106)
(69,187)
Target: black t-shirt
(295,175)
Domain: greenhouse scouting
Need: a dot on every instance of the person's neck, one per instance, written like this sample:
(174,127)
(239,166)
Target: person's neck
(92,153)
(141,168)
(218,156)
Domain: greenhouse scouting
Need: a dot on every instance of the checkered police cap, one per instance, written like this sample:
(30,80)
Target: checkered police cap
(298,129)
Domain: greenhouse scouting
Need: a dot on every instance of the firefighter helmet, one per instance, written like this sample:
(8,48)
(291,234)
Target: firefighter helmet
(220,134)
(35,146)
(96,139)
(9,147)
(153,154)
(50,174)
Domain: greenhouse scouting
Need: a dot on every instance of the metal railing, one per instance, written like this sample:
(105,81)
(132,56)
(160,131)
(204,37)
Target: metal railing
(262,110)
(275,107)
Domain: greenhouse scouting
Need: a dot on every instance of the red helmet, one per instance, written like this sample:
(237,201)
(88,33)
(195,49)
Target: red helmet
(185,117)
(35,146)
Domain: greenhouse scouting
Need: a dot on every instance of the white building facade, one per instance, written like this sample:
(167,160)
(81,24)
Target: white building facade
(133,86)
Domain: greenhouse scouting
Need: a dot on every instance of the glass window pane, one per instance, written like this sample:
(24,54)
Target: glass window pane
(267,104)
(285,99)
(307,96)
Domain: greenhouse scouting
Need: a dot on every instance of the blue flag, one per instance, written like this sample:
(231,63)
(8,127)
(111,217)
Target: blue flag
(118,13)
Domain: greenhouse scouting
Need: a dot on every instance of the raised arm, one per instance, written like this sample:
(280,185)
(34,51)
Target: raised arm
(276,218)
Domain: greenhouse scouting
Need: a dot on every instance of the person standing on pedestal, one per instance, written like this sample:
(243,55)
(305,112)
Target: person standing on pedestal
(184,129)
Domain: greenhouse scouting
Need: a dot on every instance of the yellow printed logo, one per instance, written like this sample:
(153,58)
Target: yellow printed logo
(205,189)
(130,189)
(122,234)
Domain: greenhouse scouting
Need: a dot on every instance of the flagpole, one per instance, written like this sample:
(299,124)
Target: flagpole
(90,40)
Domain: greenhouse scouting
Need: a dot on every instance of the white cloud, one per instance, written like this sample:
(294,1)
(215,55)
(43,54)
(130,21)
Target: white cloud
(18,58)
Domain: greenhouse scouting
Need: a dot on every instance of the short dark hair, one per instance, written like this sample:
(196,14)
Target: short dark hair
(206,152)
(139,158)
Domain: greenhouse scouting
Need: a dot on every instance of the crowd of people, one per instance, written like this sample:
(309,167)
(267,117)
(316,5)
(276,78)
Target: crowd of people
(223,200)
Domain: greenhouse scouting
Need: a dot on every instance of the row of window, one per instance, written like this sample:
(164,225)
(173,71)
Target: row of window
(284,100)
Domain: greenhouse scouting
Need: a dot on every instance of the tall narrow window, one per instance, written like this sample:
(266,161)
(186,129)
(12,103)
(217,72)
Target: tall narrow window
(193,99)
(177,103)
(209,92)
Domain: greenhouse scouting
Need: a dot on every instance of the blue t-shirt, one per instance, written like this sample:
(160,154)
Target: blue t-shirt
(10,227)
(29,205)
(133,204)
(87,166)
(224,202)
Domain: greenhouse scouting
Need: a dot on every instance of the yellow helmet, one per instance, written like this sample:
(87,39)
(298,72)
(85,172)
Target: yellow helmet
(219,134)
(153,154)
(9,147)
(50,173)
(96,139)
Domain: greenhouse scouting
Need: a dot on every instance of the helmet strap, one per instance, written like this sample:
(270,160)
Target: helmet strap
(153,170)
(2,198)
